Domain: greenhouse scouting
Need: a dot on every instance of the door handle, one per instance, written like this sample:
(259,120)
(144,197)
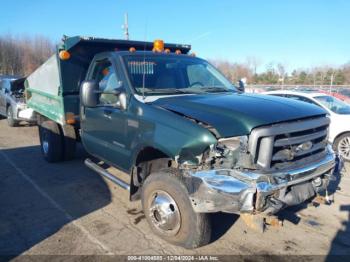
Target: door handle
(107,113)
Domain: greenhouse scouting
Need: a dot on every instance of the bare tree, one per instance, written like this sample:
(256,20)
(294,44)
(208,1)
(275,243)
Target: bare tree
(346,72)
(22,55)
(254,62)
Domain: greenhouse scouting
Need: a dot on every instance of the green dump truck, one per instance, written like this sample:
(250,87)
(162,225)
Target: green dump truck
(191,143)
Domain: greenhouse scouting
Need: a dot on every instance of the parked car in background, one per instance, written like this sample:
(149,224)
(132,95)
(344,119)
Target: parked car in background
(337,94)
(339,113)
(8,77)
(12,101)
(345,92)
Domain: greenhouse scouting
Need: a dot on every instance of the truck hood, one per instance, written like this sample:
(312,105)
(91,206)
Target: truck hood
(232,114)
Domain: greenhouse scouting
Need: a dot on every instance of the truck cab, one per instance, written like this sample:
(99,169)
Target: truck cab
(191,143)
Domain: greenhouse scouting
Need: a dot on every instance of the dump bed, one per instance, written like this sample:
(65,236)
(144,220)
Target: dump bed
(53,89)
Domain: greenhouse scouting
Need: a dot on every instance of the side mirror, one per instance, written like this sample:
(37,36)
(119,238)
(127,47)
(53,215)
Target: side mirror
(122,101)
(89,94)
(241,86)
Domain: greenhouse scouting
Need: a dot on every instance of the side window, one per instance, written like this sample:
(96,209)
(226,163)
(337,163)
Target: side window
(107,80)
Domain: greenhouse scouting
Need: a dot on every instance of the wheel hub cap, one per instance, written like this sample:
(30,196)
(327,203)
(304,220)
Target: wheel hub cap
(45,145)
(164,213)
(344,148)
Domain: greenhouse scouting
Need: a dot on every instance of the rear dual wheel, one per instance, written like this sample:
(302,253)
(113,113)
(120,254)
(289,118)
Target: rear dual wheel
(54,145)
(51,141)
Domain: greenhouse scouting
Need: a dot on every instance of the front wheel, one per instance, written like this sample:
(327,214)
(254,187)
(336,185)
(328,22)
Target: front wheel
(342,146)
(51,141)
(168,211)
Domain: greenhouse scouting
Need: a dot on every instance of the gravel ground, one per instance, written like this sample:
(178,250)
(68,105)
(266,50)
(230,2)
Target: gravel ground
(66,209)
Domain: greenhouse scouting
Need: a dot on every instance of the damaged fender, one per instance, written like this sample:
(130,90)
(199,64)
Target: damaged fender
(236,191)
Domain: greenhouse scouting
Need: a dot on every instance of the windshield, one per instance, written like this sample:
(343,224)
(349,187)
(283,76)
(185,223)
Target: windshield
(17,86)
(334,104)
(168,74)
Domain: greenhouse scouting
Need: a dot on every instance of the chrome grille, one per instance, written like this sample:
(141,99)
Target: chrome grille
(288,142)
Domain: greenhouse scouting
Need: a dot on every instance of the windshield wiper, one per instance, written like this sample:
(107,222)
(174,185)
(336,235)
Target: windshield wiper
(200,90)
(166,91)
(215,89)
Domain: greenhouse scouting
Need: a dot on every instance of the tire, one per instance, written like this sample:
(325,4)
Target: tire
(69,148)
(69,142)
(341,145)
(10,120)
(51,141)
(184,227)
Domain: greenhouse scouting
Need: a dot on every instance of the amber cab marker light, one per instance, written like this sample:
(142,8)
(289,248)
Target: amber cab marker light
(178,52)
(105,71)
(132,49)
(70,118)
(193,54)
(64,55)
(158,46)
(167,51)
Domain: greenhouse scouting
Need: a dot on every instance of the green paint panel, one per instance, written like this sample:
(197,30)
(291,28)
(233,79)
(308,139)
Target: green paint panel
(233,114)
(47,105)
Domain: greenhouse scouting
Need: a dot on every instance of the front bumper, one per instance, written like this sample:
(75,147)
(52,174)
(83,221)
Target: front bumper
(236,191)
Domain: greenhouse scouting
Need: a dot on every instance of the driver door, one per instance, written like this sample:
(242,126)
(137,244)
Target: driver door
(104,126)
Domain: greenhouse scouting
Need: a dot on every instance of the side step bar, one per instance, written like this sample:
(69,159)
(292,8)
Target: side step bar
(103,172)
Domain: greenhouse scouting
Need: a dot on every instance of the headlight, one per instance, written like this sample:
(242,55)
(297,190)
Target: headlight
(234,143)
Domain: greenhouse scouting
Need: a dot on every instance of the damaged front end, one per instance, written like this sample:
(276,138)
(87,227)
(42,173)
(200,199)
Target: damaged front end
(236,191)
(239,175)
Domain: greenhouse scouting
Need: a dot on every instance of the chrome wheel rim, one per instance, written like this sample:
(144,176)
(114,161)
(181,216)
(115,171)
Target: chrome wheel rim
(344,147)
(45,144)
(164,213)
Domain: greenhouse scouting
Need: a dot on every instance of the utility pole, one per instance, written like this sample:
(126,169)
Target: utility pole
(314,77)
(126,26)
(331,86)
